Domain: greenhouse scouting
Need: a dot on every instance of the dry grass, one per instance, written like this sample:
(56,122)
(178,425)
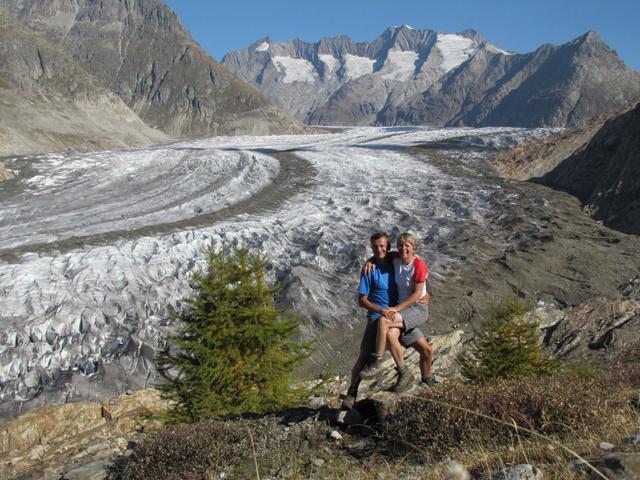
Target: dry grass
(576,409)
(546,422)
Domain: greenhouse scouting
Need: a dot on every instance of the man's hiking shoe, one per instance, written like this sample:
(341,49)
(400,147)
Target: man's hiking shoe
(430,381)
(350,399)
(404,381)
(373,368)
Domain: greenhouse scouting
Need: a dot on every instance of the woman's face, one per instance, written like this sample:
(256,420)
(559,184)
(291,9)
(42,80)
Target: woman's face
(406,251)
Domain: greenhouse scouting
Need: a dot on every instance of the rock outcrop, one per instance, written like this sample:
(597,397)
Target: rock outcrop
(49,103)
(536,157)
(76,437)
(5,174)
(422,77)
(141,52)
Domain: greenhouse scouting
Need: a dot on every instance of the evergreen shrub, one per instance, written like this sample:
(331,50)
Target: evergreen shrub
(509,346)
(236,351)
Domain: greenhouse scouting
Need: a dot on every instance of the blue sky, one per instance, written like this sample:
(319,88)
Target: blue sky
(517,25)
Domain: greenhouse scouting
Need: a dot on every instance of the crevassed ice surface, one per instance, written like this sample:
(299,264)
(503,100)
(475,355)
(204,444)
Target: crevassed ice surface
(69,307)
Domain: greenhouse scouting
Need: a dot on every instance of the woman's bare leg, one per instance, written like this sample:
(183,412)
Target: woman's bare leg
(384,325)
(394,346)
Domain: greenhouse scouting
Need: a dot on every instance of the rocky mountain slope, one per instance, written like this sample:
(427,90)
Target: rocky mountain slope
(49,103)
(597,162)
(141,51)
(604,174)
(409,77)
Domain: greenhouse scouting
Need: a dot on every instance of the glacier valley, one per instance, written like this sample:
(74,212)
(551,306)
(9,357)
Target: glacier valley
(96,248)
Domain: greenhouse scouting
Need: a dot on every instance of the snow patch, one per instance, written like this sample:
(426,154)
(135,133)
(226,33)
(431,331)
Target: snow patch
(455,49)
(492,48)
(331,64)
(263,47)
(399,66)
(295,69)
(356,66)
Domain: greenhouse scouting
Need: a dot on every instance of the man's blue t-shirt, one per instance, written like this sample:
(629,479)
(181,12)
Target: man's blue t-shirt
(379,286)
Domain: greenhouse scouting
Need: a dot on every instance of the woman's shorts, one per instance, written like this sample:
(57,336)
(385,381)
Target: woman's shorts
(415,315)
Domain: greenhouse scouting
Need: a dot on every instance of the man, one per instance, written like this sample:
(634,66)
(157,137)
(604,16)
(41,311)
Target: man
(376,292)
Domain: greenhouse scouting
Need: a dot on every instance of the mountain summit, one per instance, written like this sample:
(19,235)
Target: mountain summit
(410,76)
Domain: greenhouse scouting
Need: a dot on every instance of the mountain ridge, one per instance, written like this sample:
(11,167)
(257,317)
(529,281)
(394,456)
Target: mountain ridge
(409,77)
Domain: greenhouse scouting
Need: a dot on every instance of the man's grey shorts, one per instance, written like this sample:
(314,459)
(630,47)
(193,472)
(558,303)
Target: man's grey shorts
(410,336)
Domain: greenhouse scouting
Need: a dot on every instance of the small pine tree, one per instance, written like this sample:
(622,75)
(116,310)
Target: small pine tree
(509,347)
(236,351)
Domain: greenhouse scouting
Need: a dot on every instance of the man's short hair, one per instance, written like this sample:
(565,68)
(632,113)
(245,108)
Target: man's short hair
(378,236)
(406,237)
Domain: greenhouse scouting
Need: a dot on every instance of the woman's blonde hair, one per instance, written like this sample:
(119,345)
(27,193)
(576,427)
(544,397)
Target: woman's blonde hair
(406,237)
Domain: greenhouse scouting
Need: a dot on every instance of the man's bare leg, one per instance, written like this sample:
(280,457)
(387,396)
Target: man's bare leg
(362,360)
(350,399)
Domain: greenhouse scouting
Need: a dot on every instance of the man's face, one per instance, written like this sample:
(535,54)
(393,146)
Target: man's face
(380,248)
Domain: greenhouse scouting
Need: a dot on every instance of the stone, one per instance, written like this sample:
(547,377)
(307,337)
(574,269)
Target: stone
(317,402)
(519,472)
(348,417)
(457,471)
(620,466)
(90,471)
(606,446)
(634,439)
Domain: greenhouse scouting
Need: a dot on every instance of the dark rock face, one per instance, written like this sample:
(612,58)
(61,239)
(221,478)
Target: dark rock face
(50,103)
(605,174)
(409,77)
(142,53)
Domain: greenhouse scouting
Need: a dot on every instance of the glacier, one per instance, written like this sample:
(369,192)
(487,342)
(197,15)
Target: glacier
(96,248)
